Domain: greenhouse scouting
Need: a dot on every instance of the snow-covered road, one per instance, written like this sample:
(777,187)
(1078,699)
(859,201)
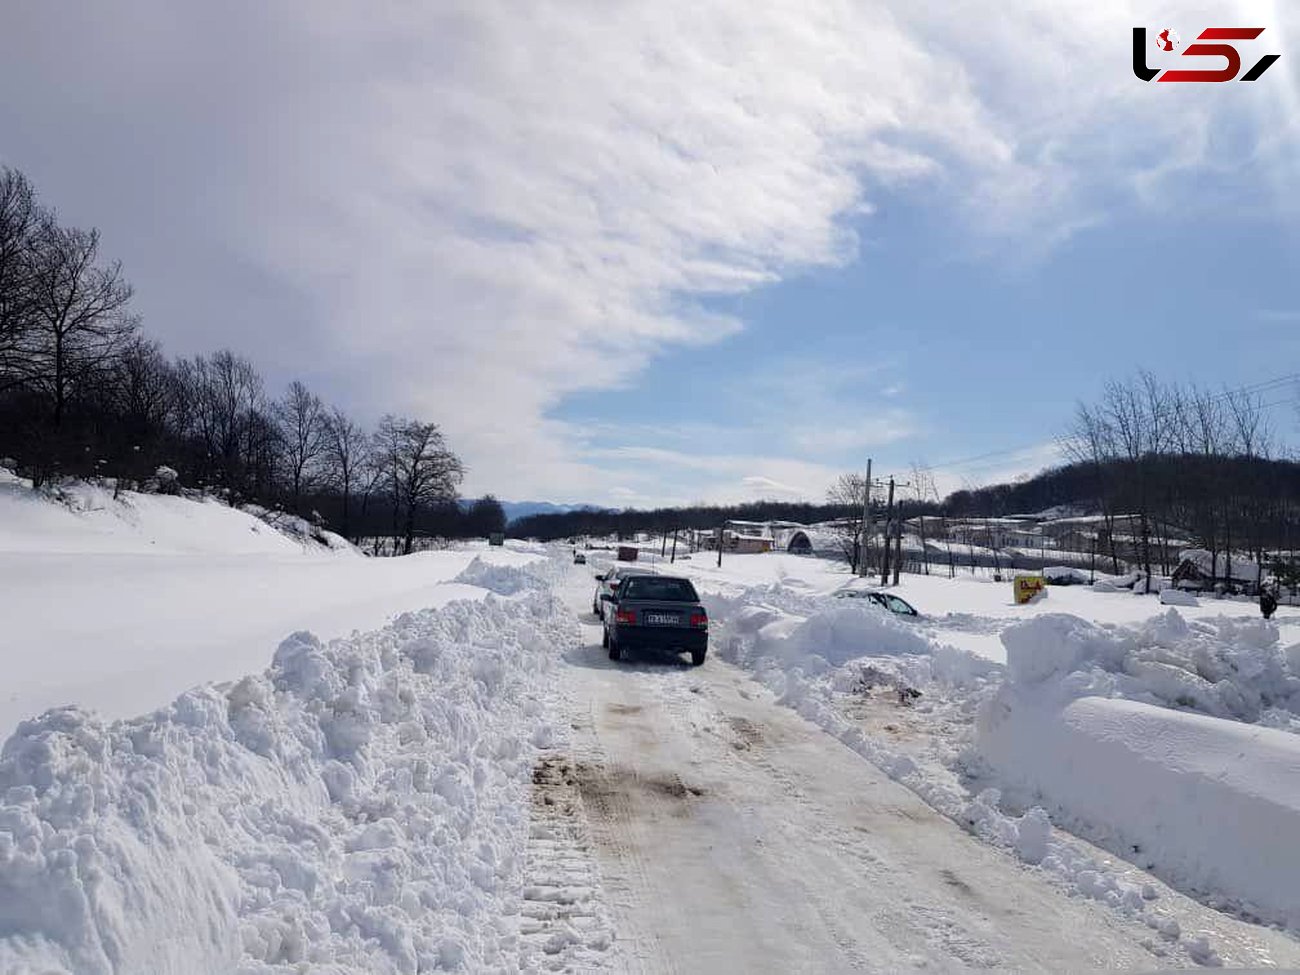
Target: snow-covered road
(733,836)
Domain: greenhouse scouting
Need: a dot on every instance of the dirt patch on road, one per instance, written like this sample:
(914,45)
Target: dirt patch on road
(747,733)
(624,708)
(614,794)
(555,783)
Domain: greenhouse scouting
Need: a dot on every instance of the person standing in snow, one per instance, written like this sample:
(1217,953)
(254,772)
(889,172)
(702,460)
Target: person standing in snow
(1267,601)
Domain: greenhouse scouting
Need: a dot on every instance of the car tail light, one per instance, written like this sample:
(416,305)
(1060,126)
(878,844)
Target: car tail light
(699,621)
(625,616)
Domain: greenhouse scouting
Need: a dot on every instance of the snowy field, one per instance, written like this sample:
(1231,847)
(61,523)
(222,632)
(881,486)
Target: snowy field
(121,605)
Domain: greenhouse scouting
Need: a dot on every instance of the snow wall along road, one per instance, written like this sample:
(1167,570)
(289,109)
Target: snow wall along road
(1086,725)
(360,806)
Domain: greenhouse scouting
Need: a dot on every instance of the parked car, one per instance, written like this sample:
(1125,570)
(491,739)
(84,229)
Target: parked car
(885,600)
(607,582)
(657,612)
(579,558)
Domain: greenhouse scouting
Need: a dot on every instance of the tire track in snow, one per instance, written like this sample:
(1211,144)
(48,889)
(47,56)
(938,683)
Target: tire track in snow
(564,926)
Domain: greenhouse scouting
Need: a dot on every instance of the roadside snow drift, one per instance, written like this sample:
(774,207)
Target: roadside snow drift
(1086,726)
(360,806)
(1207,804)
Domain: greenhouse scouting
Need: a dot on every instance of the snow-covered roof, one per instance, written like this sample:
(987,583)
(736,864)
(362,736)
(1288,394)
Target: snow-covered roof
(1242,565)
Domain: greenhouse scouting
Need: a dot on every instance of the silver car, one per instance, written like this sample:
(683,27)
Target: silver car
(608,581)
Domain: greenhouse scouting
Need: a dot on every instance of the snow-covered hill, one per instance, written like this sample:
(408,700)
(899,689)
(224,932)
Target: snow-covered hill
(87,518)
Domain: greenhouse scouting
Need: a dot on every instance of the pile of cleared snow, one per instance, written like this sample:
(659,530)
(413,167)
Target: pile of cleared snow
(507,580)
(360,806)
(1226,667)
(1209,805)
(1092,724)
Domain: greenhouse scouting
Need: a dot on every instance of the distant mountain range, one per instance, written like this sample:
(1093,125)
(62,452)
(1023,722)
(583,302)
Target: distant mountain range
(522,509)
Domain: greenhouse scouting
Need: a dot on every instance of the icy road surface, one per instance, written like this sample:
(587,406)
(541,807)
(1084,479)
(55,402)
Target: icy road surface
(733,836)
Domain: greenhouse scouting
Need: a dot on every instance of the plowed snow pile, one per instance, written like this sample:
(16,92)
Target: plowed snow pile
(359,806)
(1119,732)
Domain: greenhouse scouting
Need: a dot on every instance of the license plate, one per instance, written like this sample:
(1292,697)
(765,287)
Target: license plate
(662,619)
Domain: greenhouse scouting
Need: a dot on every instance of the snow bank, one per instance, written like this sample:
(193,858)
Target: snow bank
(505,579)
(1225,667)
(1176,597)
(1093,724)
(360,806)
(1206,804)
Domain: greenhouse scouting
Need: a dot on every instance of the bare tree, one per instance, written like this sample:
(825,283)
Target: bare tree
(301,420)
(81,322)
(141,388)
(849,490)
(223,402)
(346,450)
(1132,412)
(20,220)
(927,492)
(1091,441)
(420,469)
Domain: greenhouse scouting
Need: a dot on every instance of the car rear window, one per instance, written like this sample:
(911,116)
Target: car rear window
(656,587)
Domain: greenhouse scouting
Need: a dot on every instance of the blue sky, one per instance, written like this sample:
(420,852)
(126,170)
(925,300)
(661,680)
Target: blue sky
(671,250)
(939,353)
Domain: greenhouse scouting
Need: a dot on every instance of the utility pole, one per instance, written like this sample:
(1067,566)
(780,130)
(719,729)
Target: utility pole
(898,553)
(721,531)
(889,517)
(866,526)
(673,558)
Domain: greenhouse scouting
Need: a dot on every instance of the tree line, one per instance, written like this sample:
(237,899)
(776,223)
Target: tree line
(84,393)
(625,523)
(1165,462)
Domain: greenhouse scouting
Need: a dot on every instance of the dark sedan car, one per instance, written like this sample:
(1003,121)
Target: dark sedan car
(654,612)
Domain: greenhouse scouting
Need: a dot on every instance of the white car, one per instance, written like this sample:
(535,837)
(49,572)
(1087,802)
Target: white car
(885,600)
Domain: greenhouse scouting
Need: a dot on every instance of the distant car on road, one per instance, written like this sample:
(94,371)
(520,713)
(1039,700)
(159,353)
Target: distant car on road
(656,612)
(579,558)
(607,582)
(885,600)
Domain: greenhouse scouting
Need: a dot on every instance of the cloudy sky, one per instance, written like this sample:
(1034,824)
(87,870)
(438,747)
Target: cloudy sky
(639,252)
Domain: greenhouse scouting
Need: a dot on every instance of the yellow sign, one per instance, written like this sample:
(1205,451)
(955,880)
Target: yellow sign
(1026,588)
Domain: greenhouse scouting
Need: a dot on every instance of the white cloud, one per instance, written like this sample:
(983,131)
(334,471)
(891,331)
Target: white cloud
(661,476)
(471,210)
